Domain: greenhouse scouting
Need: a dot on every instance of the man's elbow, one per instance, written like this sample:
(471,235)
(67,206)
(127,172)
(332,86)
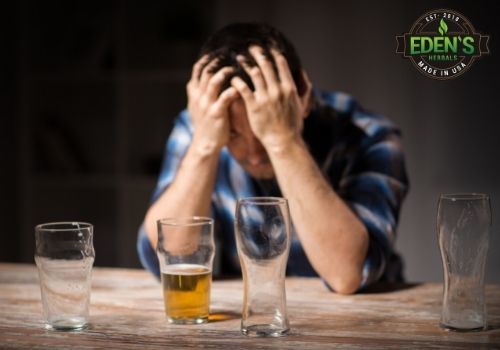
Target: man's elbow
(149,225)
(345,284)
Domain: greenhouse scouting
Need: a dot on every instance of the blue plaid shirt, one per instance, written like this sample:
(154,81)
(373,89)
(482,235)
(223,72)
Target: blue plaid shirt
(359,153)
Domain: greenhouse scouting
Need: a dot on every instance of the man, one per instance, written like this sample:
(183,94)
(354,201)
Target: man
(254,127)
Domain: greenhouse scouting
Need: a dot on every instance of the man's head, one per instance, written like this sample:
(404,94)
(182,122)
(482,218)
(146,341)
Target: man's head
(224,46)
(235,39)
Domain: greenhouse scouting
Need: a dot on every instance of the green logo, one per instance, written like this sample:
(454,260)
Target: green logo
(442,44)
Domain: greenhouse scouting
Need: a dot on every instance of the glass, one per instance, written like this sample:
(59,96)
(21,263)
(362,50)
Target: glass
(463,226)
(186,252)
(64,255)
(262,228)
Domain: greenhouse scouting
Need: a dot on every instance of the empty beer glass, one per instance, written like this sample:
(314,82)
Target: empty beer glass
(186,251)
(463,226)
(64,255)
(262,228)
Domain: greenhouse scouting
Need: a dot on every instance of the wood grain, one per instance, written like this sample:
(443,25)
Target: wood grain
(127,313)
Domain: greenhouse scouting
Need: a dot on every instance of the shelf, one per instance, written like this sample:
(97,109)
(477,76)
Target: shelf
(65,35)
(102,86)
(139,75)
(92,180)
(66,181)
(73,127)
(74,77)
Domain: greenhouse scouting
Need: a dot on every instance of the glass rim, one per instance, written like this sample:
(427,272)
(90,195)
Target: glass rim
(461,196)
(186,221)
(262,200)
(64,226)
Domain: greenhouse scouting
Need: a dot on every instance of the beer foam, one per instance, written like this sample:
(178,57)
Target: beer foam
(185,269)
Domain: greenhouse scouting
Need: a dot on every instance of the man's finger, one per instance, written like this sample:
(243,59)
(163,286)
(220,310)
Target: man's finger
(265,66)
(254,73)
(283,69)
(216,81)
(226,97)
(306,95)
(243,89)
(198,66)
(207,73)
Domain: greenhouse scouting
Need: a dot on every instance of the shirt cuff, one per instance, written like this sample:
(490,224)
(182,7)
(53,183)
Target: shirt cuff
(373,267)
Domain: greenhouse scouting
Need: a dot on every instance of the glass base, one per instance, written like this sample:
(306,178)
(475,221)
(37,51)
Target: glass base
(199,320)
(461,329)
(264,330)
(68,324)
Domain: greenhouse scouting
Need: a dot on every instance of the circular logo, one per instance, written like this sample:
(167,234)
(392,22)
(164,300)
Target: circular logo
(442,44)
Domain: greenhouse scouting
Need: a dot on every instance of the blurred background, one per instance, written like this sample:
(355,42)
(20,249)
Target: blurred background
(89,90)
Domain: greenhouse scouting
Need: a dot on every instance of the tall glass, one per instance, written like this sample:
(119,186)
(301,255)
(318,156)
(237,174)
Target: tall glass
(186,252)
(262,228)
(463,226)
(64,255)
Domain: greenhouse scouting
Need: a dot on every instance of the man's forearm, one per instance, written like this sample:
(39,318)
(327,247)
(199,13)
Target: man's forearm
(190,192)
(333,238)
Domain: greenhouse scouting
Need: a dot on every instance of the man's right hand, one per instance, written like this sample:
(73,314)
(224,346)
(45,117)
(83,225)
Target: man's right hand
(208,109)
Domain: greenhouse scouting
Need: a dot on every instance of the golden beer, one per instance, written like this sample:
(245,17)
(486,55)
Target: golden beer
(186,292)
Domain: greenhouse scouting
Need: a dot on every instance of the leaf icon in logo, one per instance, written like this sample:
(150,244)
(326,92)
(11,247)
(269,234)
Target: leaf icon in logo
(443,27)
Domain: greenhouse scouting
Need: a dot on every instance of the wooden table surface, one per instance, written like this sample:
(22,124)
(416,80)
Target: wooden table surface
(127,313)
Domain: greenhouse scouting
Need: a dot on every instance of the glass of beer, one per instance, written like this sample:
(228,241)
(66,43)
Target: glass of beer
(186,251)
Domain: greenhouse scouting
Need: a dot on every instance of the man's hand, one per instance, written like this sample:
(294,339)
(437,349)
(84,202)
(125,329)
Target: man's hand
(209,112)
(275,109)
(194,180)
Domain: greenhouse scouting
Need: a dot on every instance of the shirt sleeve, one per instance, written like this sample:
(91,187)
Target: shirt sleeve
(374,188)
(175,149)
(147,255)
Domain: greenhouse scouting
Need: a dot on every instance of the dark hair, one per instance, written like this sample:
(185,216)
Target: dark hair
(235,39)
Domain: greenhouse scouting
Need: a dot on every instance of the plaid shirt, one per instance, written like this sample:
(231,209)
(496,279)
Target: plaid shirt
(359,153)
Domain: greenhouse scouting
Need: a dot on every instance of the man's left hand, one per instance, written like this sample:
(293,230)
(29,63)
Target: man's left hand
(275,109)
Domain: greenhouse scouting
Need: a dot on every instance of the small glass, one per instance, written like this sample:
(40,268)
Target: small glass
(262,228)
(186,252)
(463,226)
(64,255)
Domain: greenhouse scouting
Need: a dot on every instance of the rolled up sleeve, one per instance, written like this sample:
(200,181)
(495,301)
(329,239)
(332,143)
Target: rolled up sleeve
(374,189)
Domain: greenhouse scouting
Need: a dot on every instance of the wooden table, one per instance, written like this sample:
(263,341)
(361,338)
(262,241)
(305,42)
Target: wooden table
(127,313)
